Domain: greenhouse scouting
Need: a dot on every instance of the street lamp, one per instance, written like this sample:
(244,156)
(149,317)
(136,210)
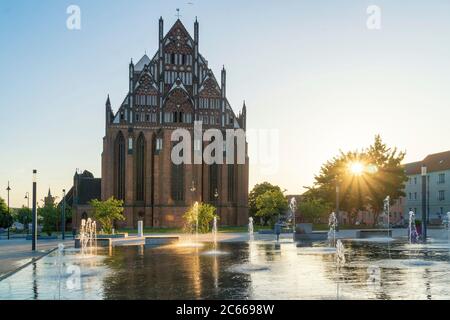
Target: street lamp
(27,196)
(8,189)
(34,225)
(424,203)
(63,216)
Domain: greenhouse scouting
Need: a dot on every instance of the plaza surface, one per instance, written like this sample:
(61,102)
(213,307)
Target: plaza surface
(16,253)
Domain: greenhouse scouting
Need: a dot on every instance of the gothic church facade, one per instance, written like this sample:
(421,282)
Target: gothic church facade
(171,90)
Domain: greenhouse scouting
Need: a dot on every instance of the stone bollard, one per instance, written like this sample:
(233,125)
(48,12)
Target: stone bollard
(140,228)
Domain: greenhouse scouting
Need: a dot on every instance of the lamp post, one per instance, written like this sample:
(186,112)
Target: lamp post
(338,216)
(34,211)
(424,203)
(63,216)
(193,189)
(8,189)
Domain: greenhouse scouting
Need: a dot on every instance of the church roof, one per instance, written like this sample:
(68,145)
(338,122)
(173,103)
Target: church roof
(142,63)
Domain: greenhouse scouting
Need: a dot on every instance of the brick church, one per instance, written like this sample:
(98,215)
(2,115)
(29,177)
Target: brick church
(171,90)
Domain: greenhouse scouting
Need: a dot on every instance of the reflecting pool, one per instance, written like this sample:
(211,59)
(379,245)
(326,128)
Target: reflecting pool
(382,268)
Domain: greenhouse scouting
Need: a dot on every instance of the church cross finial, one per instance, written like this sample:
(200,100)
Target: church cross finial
(178,13)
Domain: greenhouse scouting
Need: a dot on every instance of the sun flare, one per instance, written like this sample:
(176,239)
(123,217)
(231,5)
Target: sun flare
(356,168)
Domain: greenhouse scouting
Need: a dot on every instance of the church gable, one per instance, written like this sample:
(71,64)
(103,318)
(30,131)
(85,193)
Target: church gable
(178,40)
(178,100)
(209,87)
(146,85)
(175,85)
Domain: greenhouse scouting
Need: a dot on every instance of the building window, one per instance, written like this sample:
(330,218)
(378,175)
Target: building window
(119,154)
(441,178)
(147,117)
(140,168)
(415,195)
(441,195)
(410,196)
(159,144)
(168,117)
(415,180)
(231,183)
(172,58)
(177,182)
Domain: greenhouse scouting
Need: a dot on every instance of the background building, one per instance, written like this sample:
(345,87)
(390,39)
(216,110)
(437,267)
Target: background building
(172,89)
(85,188)
(437,187)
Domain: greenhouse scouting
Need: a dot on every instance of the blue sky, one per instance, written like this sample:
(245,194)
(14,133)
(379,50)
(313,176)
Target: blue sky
(310,69)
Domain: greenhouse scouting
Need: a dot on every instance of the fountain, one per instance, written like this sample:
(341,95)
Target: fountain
(214,251)
(293,208)
(448,226)
(340,254)
(189,242)
(195,208)
(412,230)
(59,263)
(340,262)
(250,228)
(214,234)
(88,235)
(332,223)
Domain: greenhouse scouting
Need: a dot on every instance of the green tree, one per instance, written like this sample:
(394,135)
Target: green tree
(106,212)
(382,175)
(50,218)
(270,205)
(206,214)
(258,190)
(24,216)
(6,219)
(313,210)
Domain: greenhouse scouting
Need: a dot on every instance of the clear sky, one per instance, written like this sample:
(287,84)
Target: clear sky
(310,69)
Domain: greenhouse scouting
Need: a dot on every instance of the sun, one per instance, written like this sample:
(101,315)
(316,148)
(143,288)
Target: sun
(356,168)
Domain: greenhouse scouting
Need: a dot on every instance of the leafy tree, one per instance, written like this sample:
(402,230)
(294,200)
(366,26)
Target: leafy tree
(24,215)
(106,212)
(312,210)
(6,219)
(50,218)
(258,190)
(206,214)
(270,205)
(383,175)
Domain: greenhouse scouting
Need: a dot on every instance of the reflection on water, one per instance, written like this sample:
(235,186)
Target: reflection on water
(254,270)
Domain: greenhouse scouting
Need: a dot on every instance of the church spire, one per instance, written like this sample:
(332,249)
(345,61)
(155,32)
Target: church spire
(108,102)
(224,82)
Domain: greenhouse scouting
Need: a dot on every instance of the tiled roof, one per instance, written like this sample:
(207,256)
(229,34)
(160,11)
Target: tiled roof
(434,162)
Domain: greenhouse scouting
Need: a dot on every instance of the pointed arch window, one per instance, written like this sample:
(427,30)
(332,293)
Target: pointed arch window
(119,166)
(140,168)
(231,183)
(177,182)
